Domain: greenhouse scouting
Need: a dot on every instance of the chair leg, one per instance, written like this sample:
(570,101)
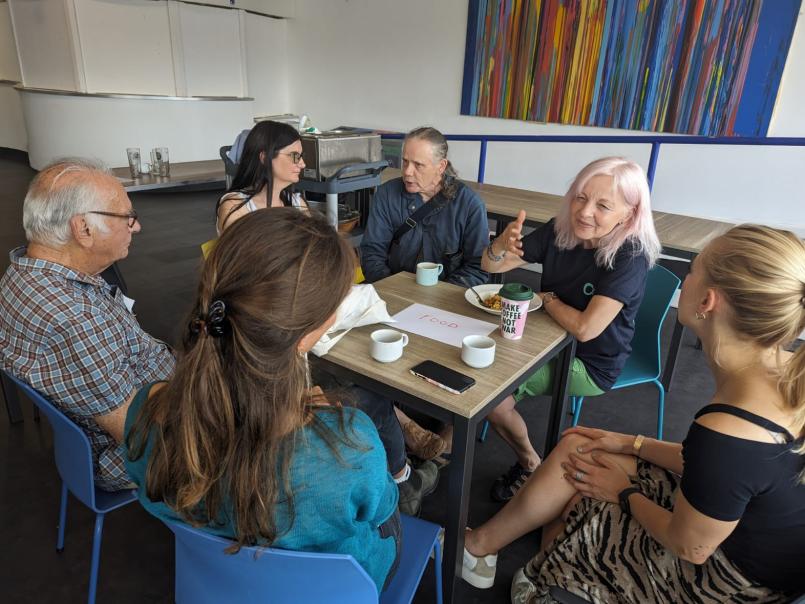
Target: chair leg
(660,408)
(9,390)
(437,570)
(96,558)
(576,402)
(62,518)
(484,430)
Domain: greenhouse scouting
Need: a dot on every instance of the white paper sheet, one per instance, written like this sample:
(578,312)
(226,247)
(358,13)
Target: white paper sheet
(440,325)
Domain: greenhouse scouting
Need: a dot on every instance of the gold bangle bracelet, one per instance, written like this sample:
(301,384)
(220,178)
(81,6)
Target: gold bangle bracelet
(637,444)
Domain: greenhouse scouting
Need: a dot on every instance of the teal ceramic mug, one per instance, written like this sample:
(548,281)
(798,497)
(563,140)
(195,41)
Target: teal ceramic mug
(427,273)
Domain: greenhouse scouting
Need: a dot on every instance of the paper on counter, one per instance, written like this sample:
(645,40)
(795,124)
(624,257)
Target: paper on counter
(440,325)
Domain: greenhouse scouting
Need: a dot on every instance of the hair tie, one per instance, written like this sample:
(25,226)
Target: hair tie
(214,323)
(198,326)
(215,319)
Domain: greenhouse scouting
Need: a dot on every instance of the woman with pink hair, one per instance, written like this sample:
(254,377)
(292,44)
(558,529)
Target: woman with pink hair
(595,256)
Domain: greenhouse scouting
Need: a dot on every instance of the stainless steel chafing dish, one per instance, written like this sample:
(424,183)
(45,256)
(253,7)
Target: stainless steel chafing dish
(327,152)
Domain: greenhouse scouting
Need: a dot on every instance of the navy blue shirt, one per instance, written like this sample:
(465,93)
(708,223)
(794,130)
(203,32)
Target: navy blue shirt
(460,227)
(575,277)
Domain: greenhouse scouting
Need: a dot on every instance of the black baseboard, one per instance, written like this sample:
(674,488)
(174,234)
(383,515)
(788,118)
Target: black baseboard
(14,155)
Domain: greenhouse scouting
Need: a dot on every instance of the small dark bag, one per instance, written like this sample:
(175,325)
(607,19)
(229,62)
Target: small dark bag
(410,224)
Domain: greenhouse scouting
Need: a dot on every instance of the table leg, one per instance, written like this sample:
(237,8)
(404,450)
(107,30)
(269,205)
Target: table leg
(673,353)
(458,498)
(559,403)
(12,400)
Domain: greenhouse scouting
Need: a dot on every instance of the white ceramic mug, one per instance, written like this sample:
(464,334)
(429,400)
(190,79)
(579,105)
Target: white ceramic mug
(387,345)
(427,273)
(478,351)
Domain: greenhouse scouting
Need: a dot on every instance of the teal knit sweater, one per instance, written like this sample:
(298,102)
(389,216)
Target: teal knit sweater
(339,503)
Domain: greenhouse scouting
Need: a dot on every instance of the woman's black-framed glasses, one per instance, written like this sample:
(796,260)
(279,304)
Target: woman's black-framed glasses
(296,156)
(130,216)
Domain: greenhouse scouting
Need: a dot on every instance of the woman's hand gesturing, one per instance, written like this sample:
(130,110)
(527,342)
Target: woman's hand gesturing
(509,240)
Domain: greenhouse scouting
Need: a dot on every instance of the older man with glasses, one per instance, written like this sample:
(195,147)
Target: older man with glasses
(65,330)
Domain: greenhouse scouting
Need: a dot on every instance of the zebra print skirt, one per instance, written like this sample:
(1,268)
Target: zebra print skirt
(604,556)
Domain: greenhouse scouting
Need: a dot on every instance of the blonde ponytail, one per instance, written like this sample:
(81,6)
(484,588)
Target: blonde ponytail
(761,271)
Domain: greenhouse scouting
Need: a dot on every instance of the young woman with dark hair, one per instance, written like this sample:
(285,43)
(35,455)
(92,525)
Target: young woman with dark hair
(271,163)
(237,442)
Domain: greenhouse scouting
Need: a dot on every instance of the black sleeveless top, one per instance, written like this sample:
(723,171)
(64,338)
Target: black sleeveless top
(757,483)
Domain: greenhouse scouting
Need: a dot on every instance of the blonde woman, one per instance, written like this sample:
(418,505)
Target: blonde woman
(719,517)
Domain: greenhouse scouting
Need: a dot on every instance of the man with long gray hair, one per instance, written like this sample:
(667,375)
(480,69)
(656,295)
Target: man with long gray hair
(65,330)
(427,215)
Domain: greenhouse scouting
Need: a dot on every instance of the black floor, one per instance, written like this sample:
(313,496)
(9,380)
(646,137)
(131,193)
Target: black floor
(137,552)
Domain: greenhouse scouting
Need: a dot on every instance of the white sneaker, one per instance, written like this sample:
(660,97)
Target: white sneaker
(522,590)
(479,571)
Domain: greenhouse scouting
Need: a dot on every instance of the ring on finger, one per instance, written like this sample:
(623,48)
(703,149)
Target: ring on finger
(579,475)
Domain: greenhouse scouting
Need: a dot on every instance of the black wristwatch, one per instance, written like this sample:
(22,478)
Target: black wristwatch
(623,498)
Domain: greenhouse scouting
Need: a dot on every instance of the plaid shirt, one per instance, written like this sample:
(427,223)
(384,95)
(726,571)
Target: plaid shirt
(70,336)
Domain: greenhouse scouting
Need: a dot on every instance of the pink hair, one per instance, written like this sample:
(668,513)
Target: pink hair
(631,183)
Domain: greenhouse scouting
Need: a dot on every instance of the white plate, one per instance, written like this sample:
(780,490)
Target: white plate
(492,288)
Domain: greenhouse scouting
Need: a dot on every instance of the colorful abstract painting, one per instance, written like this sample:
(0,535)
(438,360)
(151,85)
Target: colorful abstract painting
(707,67)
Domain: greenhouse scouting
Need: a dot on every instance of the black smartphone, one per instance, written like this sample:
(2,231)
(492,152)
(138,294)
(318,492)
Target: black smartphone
(443,377)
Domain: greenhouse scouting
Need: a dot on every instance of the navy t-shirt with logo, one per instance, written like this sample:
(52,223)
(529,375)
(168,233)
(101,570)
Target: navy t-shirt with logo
(575,277)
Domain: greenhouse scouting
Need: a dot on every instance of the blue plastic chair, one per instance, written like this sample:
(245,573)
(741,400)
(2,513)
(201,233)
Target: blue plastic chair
(644,364)
(73,455)
(206,574)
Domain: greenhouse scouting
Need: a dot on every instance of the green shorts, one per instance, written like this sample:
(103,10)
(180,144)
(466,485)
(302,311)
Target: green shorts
(541,382)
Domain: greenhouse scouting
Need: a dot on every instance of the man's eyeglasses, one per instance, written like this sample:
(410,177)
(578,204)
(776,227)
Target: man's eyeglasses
(130,216)
(295,156)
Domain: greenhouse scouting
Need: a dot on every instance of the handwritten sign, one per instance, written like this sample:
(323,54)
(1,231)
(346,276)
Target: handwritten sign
(440,325)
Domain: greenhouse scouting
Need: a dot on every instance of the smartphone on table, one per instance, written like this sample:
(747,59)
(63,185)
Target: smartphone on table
(442,376)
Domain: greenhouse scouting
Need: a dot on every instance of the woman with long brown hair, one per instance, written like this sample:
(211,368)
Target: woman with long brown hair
(236,442)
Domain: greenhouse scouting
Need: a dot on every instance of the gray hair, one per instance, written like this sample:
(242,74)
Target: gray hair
(438,144)
(60,191)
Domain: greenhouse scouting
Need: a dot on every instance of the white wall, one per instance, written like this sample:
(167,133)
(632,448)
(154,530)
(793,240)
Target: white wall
(63,125)
(397,65)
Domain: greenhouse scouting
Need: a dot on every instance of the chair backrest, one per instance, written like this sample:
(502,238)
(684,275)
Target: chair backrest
(661,285)
(205,573)
(230,167)
(71,447)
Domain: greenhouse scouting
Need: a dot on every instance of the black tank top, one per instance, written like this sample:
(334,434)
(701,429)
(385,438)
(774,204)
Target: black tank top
(757,483)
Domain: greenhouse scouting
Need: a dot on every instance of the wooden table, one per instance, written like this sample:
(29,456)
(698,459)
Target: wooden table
(514,362)
(182,174)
